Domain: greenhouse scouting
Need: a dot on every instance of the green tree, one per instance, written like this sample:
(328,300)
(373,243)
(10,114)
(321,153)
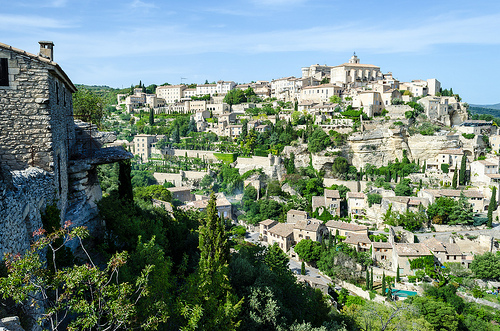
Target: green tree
(462,179)
(367,279)
(94,298)
(340,167)
(486,266)
(462,212)
(398,277)
(403,188)
(303,268)
(492,206)
(383,283)
(374,198)
(124,181)
(308,250)
(318,141)
(88,106)
(455,177)
(219,306)
(151,117)
(371,279)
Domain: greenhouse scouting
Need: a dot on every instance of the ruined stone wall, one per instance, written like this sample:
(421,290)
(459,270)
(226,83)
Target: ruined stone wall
(21,204)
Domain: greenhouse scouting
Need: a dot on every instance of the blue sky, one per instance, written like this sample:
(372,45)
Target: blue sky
(118,43)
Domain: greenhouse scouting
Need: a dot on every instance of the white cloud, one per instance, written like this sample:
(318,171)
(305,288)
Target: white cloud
(142,4)
(9,22)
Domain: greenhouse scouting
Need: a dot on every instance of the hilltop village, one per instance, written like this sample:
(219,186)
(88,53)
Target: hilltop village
(345,151)
(367,186)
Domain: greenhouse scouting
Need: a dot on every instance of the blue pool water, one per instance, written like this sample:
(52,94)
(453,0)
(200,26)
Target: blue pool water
(403,293)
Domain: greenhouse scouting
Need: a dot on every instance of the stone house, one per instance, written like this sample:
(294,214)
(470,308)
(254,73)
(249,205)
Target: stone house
(265,226)
(330,200)
(145,146)
(403,253)
(308,229)
(345,228)
(403,204)
(451,157)
(293,215)
(55,159)
(182,193)
(356,203)
(359,241)
(485,172)
(224,208)
(476,198)
(282,234)
(444,252)
(382,254)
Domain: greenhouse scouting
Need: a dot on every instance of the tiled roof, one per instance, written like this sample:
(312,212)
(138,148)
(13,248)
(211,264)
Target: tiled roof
(179,189)
(455,193)
(267,222)
(458,151)
(382,244)
(361,65)
(308,225)
(318,202)
(357,195)
(355,238)
(412,249)
(345,226)
(434,245)
(452,249)
(282,230)
(332,194)
(297,212)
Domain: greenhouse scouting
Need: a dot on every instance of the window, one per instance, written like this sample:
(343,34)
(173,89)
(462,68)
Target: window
(4,72)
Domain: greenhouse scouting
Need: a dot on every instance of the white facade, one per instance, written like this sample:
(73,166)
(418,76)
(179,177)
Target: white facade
(170,93)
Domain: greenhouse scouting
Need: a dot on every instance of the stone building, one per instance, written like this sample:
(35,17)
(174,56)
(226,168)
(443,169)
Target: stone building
(44,156)
(354,72)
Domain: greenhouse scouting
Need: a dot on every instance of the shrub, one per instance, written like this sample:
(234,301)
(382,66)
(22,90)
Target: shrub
(468,135)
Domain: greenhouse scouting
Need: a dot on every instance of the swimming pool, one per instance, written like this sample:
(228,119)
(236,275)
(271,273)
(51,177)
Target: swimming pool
(403,293)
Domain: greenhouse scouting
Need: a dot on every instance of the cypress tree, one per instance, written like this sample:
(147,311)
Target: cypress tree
(398,278)
(323,244)
(492,206)
(424,167)
(335,239)
(124,181)
(330,240)
(371,280)
(151,117)
(462,179)
(383,283)
(367,279)
(455,176)
(303,268)
(213,284)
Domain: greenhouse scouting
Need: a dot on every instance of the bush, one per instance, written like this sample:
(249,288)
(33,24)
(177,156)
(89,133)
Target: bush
(226,158)
(445,167)
(468,135)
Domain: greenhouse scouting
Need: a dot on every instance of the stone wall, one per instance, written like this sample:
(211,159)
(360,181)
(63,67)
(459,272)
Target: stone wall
(36,118)
(21,206)
(207,155)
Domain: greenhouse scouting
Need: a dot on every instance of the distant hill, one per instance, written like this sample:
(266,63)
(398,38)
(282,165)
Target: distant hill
(495,106)
(485,109)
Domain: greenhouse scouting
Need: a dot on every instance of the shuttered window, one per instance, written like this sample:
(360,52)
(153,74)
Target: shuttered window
(4,72)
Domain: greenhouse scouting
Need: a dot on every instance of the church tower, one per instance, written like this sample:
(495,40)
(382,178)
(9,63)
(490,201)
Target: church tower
(354,58)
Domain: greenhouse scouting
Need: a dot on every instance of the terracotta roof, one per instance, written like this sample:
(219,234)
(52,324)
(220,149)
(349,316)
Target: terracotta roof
(458,151)
(202,204)
(355,238)
(356,195)
(382,244)
(452,249)
(332,194)
(412,249)
(282,230)
(297,212)
(493,175)
(434,245)
(308,225)
(179,189)
(455,193)
(486,162)
(345,226)
(268,222)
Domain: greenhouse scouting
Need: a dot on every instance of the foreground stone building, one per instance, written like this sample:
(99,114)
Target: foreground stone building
(45,157)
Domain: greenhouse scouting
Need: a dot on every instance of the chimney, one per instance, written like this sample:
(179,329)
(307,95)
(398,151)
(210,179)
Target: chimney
(47,49)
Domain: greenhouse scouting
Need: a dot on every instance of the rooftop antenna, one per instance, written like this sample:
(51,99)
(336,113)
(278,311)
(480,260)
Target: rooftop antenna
(182,78)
